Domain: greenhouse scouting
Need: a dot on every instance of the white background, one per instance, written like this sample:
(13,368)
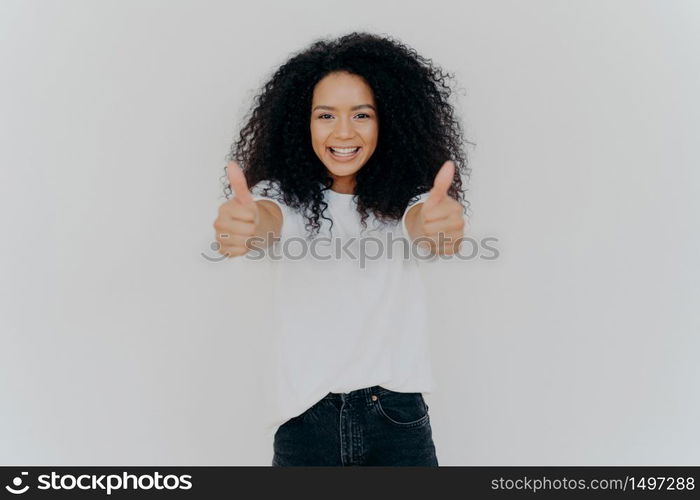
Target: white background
(121,344)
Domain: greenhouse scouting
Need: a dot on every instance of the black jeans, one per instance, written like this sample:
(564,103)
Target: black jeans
(373,426)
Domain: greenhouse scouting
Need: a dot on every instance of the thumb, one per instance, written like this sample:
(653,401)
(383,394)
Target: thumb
(239,186)
(441,184)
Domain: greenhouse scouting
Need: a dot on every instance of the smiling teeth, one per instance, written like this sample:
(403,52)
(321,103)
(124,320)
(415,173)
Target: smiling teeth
(344,150)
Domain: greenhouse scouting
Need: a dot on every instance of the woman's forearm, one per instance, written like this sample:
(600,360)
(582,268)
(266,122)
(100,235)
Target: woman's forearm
(270,224)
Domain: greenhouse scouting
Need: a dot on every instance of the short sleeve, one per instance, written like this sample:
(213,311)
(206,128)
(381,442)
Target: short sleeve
(273,192)
(421,198)
(292,221)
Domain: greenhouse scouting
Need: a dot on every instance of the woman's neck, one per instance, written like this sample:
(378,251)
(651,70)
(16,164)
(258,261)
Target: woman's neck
(343,186)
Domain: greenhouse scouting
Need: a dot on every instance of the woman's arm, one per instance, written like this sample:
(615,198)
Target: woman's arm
(270,223)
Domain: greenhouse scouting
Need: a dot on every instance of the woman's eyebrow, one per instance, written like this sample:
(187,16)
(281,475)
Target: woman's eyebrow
(331,108)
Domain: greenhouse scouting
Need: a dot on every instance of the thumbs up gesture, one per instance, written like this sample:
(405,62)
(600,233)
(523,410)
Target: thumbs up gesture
(238,218)
(440,215)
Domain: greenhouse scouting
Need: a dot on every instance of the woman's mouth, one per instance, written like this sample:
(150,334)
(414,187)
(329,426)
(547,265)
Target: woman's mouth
(344,154)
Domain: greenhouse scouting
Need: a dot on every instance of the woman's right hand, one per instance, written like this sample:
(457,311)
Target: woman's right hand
(238,218)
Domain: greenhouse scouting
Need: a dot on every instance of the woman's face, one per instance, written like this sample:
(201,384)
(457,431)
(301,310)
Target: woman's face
(343,115)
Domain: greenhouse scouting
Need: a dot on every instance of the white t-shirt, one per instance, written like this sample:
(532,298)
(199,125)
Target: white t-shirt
(340,322)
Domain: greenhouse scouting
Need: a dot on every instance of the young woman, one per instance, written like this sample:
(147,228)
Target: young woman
(347,134)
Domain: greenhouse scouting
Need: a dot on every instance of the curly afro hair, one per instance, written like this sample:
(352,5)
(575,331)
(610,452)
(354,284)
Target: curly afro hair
(418,131)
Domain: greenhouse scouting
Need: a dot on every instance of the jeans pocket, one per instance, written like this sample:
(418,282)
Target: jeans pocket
(402,409)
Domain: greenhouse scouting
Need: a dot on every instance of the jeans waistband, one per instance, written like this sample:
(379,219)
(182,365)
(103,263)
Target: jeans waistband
(364,393)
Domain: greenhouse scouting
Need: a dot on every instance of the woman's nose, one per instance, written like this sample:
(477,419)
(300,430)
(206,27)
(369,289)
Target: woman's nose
(344,128)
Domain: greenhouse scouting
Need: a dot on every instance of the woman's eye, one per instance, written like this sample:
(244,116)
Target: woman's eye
(359,114)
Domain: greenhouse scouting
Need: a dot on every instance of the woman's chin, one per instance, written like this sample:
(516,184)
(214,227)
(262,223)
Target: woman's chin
(342,169)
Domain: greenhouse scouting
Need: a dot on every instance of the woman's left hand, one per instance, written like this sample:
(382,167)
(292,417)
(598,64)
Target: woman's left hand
(439,223)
